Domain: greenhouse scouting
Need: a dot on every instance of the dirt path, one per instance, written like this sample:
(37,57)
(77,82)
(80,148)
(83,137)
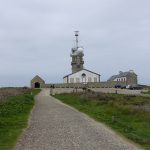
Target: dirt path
(55,126)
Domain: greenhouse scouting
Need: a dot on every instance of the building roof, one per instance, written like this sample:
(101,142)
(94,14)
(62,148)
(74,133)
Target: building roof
(112,78)
(121,74)
(37,77)
(81,70)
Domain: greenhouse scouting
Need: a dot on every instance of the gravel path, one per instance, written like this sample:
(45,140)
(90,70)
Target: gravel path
(55,126)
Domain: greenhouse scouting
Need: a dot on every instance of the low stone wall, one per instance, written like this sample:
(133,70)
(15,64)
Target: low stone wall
(119,91)
(65,85)
(89,85)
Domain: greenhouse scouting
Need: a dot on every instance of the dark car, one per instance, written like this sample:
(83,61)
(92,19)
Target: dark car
(123,87)
(117,86)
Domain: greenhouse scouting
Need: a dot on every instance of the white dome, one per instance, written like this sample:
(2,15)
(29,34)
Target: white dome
(76,52)
(80,49)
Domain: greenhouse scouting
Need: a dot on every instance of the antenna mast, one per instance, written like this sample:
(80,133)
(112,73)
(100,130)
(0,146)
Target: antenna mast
(76,35)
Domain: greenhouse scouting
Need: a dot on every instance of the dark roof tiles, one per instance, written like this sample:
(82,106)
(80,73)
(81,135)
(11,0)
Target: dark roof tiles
(121,74)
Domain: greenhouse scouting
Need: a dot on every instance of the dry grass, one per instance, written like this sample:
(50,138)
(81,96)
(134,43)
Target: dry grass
(5,93)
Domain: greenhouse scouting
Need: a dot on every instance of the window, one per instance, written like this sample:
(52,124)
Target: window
(95,79)
(71,80)
(83,75)
(77,80)
(89,79)
(83,78)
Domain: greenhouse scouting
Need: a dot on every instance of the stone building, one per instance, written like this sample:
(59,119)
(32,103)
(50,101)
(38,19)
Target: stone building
(37,82)
(128,78)
(77,56)
(79,74)
(77,59)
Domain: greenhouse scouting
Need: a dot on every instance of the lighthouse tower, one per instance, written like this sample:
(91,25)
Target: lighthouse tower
(79,73)
(77,56)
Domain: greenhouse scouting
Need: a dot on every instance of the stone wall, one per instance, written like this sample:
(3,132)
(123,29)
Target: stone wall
(89,85)
(131,79)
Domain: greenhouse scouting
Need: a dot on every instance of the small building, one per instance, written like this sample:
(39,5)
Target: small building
(128,78)
(37,82)
(84,76)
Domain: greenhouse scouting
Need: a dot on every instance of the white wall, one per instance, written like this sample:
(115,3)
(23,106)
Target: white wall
(78,76)
(65,80)
(121,79)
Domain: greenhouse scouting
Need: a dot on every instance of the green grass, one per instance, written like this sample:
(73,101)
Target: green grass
(14,115)
(132,119)
(147,92)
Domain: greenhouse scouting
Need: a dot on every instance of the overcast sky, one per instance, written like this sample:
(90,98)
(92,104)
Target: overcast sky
(36,37)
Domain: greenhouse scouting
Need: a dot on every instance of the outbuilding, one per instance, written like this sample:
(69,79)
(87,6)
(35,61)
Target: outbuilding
(37,82)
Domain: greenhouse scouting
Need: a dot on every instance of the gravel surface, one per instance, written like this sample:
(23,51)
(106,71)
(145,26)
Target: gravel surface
(56,126)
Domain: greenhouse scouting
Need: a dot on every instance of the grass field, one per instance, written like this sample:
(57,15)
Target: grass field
(14,113)
(147,92)
(128,115)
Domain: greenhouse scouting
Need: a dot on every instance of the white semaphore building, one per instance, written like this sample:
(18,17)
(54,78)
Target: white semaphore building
(79,74)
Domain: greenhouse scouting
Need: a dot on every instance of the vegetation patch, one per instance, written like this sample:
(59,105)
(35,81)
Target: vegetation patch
(14,113)
(127,114)
(7,92)
(146,92)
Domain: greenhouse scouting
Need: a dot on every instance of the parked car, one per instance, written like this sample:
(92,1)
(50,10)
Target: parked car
(134,87)
(123,87)
(117,86)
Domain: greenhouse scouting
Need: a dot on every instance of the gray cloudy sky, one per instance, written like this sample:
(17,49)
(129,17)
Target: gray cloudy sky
(36,37)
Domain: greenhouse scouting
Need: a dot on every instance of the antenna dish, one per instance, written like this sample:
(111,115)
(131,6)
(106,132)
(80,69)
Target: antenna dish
(80,49)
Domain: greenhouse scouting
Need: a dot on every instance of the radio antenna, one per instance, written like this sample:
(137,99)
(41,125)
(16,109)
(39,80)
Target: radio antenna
(76,35)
